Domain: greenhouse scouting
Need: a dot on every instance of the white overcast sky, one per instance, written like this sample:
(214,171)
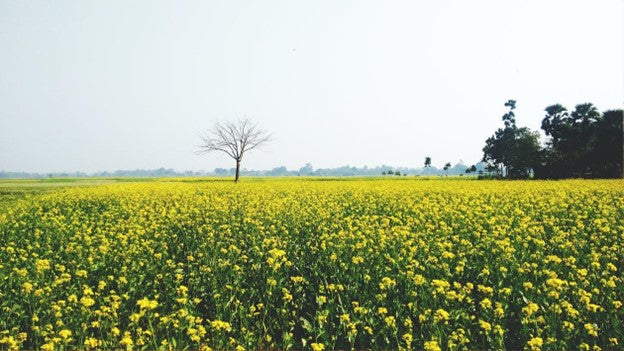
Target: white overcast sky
(106,85)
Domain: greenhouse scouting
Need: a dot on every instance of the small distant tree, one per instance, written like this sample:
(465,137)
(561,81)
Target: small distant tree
(471,169)
(398,173)
(234,139)
(427,162)
(383,173)
(306,170)
(446,167)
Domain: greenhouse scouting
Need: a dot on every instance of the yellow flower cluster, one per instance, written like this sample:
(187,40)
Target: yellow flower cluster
(315,264)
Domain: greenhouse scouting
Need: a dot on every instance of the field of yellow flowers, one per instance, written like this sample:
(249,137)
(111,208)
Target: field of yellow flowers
(315,264)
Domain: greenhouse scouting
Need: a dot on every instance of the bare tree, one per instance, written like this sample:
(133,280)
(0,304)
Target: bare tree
(235,139)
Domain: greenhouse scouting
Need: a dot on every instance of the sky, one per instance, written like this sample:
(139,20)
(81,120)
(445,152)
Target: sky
(91,85)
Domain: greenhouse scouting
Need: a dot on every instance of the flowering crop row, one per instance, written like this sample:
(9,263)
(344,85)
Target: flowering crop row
(308,264)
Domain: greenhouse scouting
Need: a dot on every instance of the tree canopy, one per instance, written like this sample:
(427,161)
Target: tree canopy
(581,143)
(512,151)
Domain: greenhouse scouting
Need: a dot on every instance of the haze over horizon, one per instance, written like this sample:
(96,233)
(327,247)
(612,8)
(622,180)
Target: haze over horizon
(91,86)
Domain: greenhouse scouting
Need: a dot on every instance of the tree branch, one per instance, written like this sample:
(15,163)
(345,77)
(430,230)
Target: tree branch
(233,138)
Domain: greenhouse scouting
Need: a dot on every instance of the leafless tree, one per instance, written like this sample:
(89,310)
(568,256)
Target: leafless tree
(235,139)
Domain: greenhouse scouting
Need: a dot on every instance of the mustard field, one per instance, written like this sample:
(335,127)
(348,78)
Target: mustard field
(315,264)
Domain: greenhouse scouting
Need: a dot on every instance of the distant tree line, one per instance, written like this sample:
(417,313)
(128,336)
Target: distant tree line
(309,170)
(282,171)
(582,143)
(159,172)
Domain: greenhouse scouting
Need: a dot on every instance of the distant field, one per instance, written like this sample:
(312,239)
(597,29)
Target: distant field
(311,263)
(15,189)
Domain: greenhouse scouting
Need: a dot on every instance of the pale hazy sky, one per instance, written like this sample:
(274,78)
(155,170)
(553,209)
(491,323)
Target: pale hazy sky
(106,85)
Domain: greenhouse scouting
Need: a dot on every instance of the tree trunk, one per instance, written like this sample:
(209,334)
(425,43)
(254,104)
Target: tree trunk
(237,171)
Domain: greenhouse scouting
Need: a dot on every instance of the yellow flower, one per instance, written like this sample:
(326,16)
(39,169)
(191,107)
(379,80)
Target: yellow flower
(591,329)
(146,304)
(432,346)
(127,340)
(220,325)
(499,312)
(390,321)
(418,279)
(81,273)
(530,309)
(485,289)
(92,343)
(297,279)
(386,283)
(182,290)
(87,291)
(535,344)
(27,287)
(65,334)
(193,334)
(486,303)
(287,297)
(441,316)
(317,346)
(407,337)
(87,301)
(43,265)
(567,325)
(11,343)
(440,285)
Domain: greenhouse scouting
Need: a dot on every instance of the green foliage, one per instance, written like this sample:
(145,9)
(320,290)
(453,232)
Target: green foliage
(512,150)
(471,169)
(584,143)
